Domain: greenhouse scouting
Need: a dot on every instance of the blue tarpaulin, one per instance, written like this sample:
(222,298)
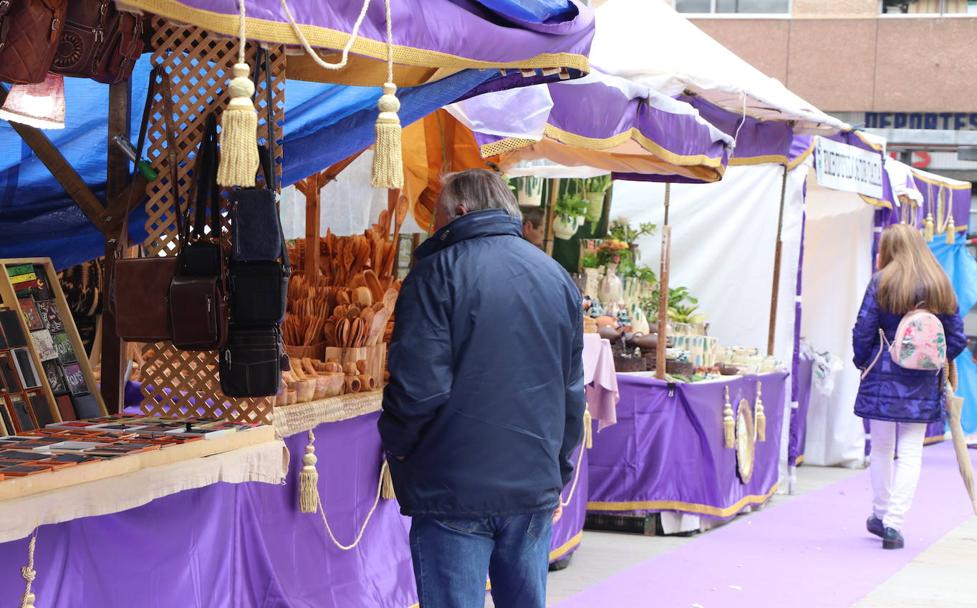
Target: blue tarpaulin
(961,267)
(324,124)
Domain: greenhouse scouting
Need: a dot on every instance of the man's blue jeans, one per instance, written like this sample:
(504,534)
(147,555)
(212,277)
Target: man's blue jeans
(452,558)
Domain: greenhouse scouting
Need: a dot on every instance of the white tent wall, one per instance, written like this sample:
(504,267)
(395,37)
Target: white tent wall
(723,241)
(349,205)
(837,268)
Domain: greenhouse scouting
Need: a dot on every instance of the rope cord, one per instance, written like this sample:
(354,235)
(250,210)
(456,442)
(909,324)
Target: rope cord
(369,516)
(353,35)
(736,135)
(28,572)
(390,41)
(241,33)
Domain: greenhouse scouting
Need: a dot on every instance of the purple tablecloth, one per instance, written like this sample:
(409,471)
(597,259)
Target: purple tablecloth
(568,532)
(667,453)
(798,415)
(240,546)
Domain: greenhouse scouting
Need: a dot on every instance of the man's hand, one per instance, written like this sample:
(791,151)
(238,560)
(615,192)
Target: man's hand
(558,513)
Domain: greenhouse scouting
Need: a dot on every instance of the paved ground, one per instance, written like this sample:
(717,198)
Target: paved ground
(942,576)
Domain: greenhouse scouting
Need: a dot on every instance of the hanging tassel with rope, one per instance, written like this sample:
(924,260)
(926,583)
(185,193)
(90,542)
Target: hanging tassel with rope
(387,491)
(309,479)
(760,416)
(239,122)
(388,164)
(729,423)
(29,574)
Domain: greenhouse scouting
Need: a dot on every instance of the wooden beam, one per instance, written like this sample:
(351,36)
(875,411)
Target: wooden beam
(62,171)
(550,214)
(666,263)
(312,210)
(117,188)
(777,255)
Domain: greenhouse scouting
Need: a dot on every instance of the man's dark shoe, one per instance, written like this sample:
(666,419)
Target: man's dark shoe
(892,539)
(874,526)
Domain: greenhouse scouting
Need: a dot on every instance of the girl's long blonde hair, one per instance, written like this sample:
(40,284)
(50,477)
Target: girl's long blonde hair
(909,275)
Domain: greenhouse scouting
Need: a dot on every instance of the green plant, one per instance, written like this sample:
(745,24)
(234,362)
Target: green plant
(599,184)
(590,260)
(621,230)
(570,207)
(683,307)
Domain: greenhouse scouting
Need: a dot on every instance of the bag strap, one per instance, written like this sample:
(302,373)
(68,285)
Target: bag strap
(268,155)
(171,153)
(205,188)
(883,342)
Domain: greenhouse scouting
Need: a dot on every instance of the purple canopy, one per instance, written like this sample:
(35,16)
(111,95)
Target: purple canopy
(600,122)
(443,35)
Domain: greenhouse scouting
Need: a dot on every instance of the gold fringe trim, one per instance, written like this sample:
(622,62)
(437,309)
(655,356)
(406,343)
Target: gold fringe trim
(293,419)
(570,545)
(502,146)
(687,507)
(632,134)
(766,159)
(797,162)
(327,39)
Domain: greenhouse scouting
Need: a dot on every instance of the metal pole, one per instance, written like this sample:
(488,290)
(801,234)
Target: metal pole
(778,252)
(663,290)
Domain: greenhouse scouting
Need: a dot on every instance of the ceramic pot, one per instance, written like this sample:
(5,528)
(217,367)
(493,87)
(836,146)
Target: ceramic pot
(530,191)
(565,230)
(611,289)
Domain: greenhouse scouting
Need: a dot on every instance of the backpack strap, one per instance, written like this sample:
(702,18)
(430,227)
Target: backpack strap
(883,342)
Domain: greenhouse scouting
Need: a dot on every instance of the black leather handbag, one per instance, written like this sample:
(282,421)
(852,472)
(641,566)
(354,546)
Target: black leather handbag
(251,362)
(198,293)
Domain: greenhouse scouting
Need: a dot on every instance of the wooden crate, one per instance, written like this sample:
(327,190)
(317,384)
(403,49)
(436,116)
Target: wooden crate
(43,394)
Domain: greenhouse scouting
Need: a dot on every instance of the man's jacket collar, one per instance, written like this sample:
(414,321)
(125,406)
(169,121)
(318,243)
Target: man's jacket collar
(491,222)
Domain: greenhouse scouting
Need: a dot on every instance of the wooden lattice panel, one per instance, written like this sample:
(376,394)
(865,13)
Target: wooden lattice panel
(198,64)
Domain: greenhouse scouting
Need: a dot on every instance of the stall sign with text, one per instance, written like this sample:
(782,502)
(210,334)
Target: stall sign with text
(844,167)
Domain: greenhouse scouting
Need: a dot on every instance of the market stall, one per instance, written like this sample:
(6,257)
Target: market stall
(358,530)
(668,451)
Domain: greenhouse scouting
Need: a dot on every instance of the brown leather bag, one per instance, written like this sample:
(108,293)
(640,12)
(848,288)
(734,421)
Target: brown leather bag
(99,42)
(29,32)
(140,287)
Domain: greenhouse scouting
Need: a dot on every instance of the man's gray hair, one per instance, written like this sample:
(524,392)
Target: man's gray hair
(477,190)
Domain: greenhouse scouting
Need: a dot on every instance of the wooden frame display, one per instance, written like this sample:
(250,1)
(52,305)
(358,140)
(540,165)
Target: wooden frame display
(45,376)
(198,64)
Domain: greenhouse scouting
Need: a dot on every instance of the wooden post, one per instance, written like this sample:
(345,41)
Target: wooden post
(117,182)
(777,254)
(550,214)
(663,289)
(313,199)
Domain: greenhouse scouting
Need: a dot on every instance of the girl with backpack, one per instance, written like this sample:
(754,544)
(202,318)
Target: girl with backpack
(908,327)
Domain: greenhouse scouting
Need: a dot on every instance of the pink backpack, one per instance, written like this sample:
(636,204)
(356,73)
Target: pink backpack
(920,343)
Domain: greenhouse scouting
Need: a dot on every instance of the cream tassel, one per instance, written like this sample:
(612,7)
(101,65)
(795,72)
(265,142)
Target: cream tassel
(29,574)
(388,162)
(309,479)
(760,416)
(387,491)
(729,424)
(239,125)
(928,228)
(588,429)
(951,231)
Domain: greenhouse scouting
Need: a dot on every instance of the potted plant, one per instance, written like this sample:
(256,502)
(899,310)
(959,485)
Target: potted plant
(569,213)
(529,191)
(595,190)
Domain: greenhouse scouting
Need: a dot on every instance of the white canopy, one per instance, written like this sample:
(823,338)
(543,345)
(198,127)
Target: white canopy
(666,52)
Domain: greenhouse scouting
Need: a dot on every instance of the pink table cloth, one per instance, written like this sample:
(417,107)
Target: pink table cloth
(600,379)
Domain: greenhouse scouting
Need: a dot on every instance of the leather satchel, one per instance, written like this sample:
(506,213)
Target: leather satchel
(251,363)
(29,33)
(198,295)
(140,287)
(98,42)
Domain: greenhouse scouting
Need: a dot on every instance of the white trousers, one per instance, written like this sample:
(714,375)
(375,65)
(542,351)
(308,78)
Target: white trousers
(894,479)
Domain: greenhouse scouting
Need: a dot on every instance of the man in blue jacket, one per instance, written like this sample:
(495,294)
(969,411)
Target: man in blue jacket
(485,401)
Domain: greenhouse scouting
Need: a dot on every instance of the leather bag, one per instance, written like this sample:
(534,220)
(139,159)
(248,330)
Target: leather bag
(140,287)
(251,363)
(29,33)
(198,295)
(98,42)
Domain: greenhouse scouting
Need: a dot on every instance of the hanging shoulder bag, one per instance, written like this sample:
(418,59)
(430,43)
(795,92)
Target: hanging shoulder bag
(99,42)
(140,287)
(198,294)
(29,33)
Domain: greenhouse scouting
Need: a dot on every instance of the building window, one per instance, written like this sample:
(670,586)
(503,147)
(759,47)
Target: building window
(765,7)
(929,7)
